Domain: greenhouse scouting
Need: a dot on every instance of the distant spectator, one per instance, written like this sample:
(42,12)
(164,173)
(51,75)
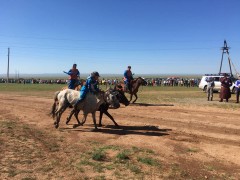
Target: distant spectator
(210,86)
(225,93)
(237,86)
(74,75)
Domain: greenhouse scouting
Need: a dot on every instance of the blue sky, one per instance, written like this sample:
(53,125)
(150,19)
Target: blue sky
(153,36)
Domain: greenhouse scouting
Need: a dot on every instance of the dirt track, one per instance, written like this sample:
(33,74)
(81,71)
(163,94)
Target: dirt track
(192,136)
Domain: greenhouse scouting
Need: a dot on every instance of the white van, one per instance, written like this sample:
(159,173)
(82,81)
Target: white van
(203,82)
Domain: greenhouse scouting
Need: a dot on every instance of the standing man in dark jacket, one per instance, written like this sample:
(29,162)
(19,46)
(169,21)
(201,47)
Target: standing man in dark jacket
(225,92)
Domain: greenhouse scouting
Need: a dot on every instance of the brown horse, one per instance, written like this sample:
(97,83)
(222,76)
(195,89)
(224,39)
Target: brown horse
(135,84)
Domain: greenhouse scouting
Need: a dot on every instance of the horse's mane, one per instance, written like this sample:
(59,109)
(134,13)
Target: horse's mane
(137,79)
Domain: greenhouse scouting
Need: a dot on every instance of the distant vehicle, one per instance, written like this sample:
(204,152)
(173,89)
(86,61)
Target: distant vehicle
(203,82)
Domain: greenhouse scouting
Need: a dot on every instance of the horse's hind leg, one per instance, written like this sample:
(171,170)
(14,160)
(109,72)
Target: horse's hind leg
(135,98)
(59,114)
(70,115)
(76,116)
(79,123)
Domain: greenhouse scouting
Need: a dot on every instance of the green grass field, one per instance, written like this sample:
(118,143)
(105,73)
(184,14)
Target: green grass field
(36,151)
(147,94)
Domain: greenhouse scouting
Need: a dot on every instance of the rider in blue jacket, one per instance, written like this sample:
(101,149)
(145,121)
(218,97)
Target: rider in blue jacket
(91,86)
(128,77)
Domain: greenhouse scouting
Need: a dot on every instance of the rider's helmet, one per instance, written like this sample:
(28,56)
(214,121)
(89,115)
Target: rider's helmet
(94,74)
(129,67)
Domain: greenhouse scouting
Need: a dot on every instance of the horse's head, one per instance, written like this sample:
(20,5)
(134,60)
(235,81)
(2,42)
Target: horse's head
(121,96)
(142,81)
(110,96)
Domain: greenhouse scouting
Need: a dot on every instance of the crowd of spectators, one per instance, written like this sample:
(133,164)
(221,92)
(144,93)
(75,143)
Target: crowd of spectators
(187,82)
(34,81)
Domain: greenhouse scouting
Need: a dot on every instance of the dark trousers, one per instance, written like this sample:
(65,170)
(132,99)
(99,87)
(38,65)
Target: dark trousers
(71,83)
(237,94)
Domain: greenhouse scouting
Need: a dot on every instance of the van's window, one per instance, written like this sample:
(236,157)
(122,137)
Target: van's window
(216,78)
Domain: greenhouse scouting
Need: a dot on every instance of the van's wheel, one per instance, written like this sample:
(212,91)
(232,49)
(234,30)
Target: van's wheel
(205,89)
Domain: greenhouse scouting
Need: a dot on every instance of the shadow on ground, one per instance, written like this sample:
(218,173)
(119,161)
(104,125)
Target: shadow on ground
(145,104)
(124,130)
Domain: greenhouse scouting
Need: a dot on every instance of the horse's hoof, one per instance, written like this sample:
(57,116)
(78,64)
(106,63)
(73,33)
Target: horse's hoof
(76,125)
(100,125)
(95,130)
(56,126)
(67,121)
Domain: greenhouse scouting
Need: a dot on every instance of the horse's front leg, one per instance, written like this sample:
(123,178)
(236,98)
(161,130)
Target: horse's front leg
(94,120)
(130,97)
(100,118)
(136,97)
(59,114)
(109,115)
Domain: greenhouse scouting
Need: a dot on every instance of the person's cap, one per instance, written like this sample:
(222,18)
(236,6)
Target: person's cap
(95,73)
(129,66)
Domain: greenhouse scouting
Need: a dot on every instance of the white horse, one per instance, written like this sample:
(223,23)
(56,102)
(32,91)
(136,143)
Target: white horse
(90,104)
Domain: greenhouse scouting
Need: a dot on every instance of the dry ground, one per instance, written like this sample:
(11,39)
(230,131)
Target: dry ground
(154,142)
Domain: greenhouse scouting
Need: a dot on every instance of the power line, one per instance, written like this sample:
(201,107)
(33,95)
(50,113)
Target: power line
(112,49)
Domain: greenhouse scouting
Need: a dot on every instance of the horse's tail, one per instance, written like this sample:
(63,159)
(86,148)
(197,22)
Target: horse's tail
(55,98)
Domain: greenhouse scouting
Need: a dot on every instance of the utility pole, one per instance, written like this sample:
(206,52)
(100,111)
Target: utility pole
(8,65)
(225,49)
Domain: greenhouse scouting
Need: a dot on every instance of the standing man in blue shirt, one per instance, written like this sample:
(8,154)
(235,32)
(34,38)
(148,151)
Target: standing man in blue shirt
(237,86)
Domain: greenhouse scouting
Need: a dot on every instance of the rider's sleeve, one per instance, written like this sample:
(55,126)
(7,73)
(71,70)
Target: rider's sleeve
(70,72)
